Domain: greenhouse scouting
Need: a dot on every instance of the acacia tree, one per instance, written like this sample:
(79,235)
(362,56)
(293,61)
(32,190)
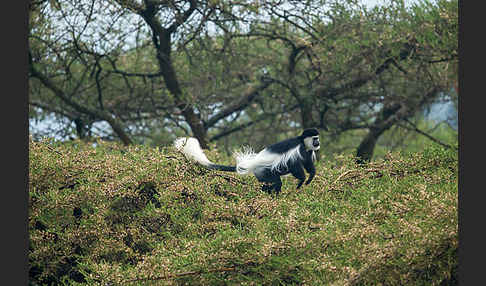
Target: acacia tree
(348,67)
(213,68)
(66,75)
(79,52)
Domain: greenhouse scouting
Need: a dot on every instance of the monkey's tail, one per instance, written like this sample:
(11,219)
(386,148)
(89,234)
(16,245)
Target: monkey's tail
(190,147)
(245,160)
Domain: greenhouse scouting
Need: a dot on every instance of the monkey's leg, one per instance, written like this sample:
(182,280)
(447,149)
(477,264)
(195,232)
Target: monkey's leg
(298,172)
(311,169)
(267,187)
(264,175)
(277,184)
(272,182)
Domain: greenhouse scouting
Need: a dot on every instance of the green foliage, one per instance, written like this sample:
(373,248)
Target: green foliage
(399,139)
(139,215)
(334,65)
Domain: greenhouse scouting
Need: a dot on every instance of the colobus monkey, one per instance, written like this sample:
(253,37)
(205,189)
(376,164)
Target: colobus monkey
(289,156)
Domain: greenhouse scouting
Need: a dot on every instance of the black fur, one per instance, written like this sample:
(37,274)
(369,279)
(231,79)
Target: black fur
(297,166)
(284,146)
(221,168)
(294,167)
(309,133)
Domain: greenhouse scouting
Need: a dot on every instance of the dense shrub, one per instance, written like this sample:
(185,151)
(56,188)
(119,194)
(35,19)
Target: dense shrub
(114,215)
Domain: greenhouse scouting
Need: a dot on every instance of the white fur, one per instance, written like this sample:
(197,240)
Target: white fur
(246,160)
(190,147)
(308,143)
(289,156)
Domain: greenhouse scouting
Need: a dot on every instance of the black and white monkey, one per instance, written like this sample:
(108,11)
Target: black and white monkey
(292,156)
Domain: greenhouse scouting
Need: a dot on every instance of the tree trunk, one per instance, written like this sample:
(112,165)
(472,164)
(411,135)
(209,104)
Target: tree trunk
(367,146)
(197,127)
(388,116)
(306,113)
(162,40)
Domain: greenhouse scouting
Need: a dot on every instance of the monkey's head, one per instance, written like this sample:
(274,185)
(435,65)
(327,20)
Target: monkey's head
(311,139)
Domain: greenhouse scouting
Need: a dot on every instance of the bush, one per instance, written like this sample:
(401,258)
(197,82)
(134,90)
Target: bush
(109,215)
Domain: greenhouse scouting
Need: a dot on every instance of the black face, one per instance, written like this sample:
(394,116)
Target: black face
(315,142)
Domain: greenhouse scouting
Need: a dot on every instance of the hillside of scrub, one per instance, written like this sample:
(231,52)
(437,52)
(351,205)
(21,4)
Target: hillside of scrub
(138,215)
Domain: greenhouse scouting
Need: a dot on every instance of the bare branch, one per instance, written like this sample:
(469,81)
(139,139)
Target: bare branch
(414,127)
(115,124)
(251,93)
(180,19)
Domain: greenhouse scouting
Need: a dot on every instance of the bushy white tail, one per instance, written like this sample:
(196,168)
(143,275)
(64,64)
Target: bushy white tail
(190,147)
(246,159)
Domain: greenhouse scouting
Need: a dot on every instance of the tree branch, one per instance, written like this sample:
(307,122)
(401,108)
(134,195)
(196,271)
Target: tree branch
(98,85)
(251,93)
(180,19)
(53,110)
(331,92)
(247,124)
(115,124)
(428,136)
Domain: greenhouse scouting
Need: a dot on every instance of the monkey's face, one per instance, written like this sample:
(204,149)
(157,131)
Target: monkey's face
(312,143)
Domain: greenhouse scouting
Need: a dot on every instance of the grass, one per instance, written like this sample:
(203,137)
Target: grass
(114,215)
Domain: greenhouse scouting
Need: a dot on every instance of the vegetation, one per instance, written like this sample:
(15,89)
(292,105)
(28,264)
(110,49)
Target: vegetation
(116,205)
(151,70)
(109,214)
